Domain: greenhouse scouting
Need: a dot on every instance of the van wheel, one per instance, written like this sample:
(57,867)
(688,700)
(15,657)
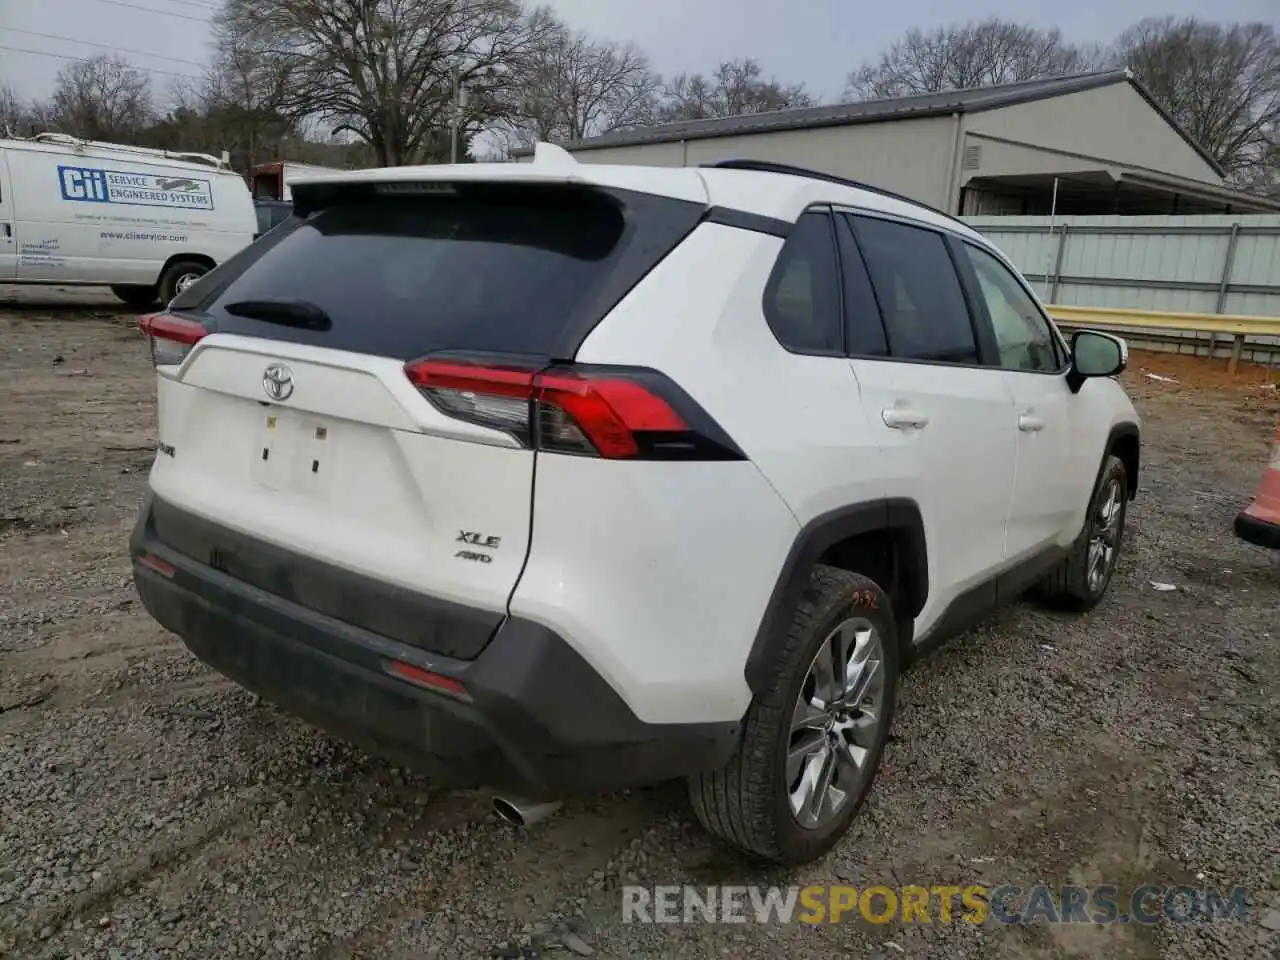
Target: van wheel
(178,277)
(135,296)
(812,740)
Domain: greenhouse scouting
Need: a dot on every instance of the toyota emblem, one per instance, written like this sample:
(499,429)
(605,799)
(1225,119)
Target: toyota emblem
(277,381)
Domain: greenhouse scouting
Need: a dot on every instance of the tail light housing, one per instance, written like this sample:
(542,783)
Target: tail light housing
(609,413)
(170,338)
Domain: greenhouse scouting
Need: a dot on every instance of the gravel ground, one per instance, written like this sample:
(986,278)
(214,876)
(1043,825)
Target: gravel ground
(150,809)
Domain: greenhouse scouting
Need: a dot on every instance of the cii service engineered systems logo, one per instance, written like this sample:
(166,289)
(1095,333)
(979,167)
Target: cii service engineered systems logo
(96,185)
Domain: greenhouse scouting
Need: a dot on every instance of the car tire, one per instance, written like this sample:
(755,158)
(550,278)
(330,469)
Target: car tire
(751,802)
(138,297)
(178,277)
(1080,581)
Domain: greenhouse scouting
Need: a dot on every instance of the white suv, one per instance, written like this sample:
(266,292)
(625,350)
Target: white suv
(558,477)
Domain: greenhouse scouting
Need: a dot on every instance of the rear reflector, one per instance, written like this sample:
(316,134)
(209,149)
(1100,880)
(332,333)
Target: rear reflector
(156,564)
(425,678)
(561,410)
(170,338)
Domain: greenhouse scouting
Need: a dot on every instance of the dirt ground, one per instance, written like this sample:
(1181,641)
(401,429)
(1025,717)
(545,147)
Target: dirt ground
(149,808)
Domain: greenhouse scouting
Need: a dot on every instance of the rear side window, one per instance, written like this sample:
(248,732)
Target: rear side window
(802,297)
(503,270)
(264,219)
(925,313)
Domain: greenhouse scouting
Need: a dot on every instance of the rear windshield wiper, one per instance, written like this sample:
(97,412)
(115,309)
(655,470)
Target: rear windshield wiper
(290,313)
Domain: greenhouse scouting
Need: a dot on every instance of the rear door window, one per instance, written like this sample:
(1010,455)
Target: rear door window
(864,330)
(503,270)
(921,300)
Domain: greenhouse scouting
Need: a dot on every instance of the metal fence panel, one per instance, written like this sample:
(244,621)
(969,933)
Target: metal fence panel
(1212,264)
(1218,263)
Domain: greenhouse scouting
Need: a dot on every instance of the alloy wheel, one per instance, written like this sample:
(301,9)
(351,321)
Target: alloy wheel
(836,723)
(1104,535)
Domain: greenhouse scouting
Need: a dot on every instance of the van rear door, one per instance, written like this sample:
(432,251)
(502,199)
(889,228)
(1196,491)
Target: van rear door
(8,225)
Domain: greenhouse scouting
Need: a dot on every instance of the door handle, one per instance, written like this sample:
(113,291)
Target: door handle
(1030,423)
(900,418)
(6,230)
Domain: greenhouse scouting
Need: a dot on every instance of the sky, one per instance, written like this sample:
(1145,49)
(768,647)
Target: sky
(816,42)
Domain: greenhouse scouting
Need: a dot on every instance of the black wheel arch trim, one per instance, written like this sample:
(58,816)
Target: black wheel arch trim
(1123,430)
(898,516)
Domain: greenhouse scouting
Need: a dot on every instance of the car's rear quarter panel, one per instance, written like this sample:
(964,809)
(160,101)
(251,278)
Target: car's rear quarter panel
(660,573)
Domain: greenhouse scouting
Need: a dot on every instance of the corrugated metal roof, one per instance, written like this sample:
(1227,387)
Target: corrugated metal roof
(876,111)
(1174,184)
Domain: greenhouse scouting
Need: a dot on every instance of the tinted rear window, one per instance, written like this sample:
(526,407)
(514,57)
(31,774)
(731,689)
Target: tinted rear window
(405,276)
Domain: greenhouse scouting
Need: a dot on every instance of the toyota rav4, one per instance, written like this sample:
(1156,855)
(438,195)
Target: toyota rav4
(553,477)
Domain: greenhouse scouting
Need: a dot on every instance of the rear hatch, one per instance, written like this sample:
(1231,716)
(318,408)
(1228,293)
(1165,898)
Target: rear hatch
(314,442)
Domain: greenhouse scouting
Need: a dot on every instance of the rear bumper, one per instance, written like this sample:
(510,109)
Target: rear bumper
(537,720)
(1257,531)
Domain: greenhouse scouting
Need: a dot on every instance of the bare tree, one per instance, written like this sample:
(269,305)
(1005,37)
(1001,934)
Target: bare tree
(964,56)
(736,87)
(183,122)
(13,113)
(1263,175)
(1221,83)
(386,70)
(102,98)
(246,94)
(570,86)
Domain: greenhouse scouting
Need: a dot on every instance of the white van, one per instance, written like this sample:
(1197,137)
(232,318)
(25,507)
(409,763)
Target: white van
(147,223)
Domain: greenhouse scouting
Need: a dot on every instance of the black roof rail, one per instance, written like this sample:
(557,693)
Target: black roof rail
(767,166)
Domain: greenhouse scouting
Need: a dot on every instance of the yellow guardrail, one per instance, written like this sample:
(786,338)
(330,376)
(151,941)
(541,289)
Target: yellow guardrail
(1237,326)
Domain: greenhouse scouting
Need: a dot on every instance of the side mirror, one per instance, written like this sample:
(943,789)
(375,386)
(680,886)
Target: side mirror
(1095,354)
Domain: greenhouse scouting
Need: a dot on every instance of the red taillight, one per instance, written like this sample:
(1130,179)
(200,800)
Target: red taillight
(568,412)
(497,397)
(170,338)
(425,678)
(608,411)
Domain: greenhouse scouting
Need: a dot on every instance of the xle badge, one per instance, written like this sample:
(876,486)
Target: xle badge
(474,539)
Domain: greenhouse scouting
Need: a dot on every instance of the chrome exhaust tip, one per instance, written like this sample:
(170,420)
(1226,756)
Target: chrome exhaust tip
(523,813)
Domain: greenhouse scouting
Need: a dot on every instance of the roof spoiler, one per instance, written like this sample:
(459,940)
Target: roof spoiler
(551,164)
(550,156)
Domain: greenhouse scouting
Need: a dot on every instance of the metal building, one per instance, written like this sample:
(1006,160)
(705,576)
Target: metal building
(993,150)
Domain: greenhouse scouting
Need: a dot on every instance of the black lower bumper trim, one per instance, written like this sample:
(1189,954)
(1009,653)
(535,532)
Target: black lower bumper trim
(540,721)
(1258,532)
(390,611)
